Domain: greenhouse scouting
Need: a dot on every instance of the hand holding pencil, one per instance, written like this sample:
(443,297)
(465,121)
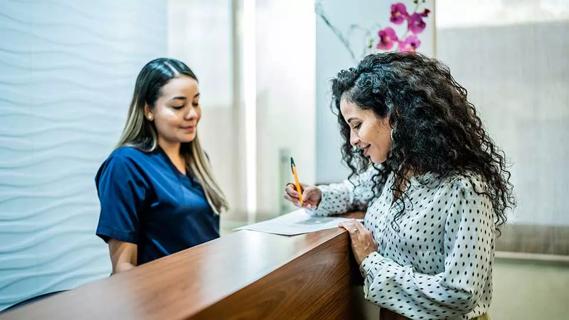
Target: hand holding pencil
(301,195)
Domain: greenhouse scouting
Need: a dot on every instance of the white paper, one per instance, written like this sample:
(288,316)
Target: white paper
(296,222)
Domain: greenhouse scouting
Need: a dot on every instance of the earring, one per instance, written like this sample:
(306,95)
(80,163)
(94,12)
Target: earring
(150,118)
(392,135)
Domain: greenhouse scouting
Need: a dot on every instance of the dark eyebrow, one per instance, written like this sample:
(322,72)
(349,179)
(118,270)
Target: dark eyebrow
(184,98)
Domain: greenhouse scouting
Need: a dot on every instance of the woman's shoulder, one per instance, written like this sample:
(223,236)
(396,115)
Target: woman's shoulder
(128,152)
(127,157)
(456,181)
(125,163)
(466,181)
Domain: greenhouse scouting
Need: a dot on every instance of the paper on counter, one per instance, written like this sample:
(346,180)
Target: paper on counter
(296,222)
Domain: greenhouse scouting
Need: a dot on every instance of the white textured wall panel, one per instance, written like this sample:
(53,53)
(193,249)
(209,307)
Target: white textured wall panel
(67,71)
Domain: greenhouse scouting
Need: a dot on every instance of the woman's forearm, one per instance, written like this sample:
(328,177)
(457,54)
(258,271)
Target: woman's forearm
(123,255)
(122,266)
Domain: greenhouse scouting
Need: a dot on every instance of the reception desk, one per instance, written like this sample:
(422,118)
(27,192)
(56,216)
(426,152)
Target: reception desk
(243,275)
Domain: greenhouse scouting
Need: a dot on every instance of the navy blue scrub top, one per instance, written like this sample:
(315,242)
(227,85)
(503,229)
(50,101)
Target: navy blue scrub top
(147,201)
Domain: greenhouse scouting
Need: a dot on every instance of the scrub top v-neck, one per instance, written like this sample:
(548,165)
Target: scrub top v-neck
(146,200)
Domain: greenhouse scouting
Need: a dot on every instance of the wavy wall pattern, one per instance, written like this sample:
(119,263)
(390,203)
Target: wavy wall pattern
(67,70)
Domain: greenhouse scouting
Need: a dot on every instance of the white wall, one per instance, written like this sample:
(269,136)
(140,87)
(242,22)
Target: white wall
(530,290)
(331,57)
(67,71)
(523,289)
(285,97)
(512,58)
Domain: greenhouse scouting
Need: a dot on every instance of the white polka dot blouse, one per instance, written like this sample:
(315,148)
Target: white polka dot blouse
(438,264)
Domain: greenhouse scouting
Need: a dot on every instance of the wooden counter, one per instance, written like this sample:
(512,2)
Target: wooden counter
(244,275)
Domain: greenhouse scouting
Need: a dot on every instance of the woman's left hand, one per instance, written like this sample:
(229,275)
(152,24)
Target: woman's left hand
(361,238)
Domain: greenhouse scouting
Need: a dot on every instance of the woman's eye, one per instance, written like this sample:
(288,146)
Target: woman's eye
(178,107)
(357,126)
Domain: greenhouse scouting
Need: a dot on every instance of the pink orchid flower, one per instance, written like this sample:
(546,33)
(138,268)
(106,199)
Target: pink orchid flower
(410,44)
(387,37)
(415,23)
(398,13)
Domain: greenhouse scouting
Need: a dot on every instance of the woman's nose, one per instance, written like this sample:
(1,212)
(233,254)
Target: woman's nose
(191,114)
(354,139)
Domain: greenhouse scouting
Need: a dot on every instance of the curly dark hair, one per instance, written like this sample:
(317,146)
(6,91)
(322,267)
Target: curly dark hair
(435,128)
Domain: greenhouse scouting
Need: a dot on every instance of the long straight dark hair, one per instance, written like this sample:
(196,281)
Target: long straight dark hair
(141,133)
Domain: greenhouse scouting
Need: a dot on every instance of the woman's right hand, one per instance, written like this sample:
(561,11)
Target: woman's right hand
(311,195)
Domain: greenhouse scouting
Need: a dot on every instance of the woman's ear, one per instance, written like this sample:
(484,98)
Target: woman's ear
(148,113)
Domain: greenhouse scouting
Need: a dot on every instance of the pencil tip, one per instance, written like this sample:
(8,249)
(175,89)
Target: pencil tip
(292,161)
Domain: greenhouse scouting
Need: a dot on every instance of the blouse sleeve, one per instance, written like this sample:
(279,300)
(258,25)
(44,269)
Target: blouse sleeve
(349,195)
(121,190)
(468,253)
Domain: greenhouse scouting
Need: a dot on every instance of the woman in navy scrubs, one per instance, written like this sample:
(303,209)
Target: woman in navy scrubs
(157,192)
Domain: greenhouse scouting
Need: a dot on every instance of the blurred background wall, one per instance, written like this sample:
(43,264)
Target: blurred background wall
(512,57)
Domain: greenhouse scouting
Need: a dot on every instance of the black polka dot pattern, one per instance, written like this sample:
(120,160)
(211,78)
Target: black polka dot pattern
(438,265)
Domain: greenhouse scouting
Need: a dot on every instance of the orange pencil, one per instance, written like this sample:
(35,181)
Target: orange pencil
(296,182)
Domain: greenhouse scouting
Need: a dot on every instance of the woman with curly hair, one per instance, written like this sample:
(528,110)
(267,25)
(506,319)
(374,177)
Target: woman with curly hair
(434,186)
